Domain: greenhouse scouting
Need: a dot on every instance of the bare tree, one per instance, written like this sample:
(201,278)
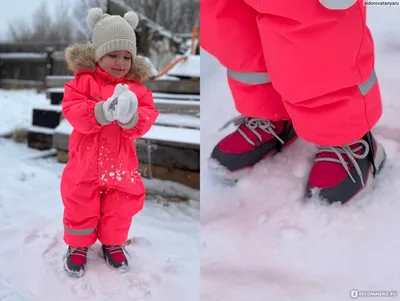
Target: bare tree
(83,29)
(42,28)
(176,16)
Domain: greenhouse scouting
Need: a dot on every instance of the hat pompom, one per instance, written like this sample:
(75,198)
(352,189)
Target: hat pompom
(132,18)
(95,14)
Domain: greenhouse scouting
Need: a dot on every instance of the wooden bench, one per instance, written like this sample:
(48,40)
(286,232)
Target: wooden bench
(165,103)
(164,152)
(182,86)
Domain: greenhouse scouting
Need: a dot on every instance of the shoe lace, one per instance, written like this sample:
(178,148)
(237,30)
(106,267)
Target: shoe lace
(80,251)
(351,154)
(252,124)
(117,249)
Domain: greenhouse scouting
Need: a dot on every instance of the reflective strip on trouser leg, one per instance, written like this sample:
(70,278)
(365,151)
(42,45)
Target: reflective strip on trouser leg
(79,231)
(255,96)
(250,78)
(367,86)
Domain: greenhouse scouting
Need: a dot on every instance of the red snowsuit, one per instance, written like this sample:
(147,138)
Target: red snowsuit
(297,60)
(100,186)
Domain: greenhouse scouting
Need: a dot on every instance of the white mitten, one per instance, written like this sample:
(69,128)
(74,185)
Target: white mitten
(112,104)
(129,105)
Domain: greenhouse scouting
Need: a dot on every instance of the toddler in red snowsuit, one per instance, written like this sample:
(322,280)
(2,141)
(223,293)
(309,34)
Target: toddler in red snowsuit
(108,108)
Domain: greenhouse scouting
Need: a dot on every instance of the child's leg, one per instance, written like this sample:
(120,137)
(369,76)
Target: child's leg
(117,210)
(322,63)
(231,35)
(81,213)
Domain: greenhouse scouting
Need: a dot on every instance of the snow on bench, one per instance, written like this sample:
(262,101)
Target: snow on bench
(158,133)
(156,95)
(187,68)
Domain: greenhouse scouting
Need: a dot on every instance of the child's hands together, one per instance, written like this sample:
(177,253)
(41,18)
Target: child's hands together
(121,106)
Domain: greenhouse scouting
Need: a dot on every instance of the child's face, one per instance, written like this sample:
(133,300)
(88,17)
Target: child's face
(117,63)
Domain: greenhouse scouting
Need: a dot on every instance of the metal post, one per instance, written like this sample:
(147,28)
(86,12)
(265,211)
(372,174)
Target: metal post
(149,163)
(49,60)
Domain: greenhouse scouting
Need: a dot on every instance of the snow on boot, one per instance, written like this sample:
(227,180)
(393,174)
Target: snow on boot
(345,173)
(115,257)
(75,261)
(253,140)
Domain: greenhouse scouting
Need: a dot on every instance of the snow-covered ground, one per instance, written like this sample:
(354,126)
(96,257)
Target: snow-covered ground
(165,239)
(261,242)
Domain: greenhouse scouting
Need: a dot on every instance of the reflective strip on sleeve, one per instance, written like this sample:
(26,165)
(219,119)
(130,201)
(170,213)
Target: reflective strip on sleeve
(250,78)
(79,231)
(367,86)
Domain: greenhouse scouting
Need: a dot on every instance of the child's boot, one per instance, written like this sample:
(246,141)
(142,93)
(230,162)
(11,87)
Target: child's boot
(347,172)
(115,257)
(75,262)
(253,140)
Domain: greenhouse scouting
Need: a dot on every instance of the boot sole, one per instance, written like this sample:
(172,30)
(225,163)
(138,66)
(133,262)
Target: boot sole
(122,269)
(73,274)
(230,178)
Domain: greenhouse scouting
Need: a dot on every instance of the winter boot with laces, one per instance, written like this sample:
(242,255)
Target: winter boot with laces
(253,140)
(347,172)
(115,257)
(75,261)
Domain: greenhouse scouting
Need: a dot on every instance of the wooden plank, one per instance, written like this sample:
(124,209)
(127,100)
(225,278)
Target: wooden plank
(62,156)
(46,117)
(163,105)
(21,84)
(169,156)
(23,56)
(184,86)
(55,98)
(57,81)
(177,106)
(162,154)
(60,141)
(188,178)
(40,141)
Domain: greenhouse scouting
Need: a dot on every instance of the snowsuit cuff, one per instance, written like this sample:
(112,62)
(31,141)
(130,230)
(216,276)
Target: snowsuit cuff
(98,113)
(131,123)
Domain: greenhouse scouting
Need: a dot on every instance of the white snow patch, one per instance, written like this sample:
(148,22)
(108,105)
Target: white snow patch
(17,106)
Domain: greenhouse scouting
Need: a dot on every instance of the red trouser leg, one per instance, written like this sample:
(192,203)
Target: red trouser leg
(230,33)
(321,61)
(81,213)
(117,210)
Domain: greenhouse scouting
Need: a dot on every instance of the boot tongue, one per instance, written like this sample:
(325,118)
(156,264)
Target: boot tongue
(353,147)
(78,256)
(337,173)
(264,135)
(116,253)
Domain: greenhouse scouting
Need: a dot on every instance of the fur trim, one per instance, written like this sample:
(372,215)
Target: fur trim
(140,70)
(81,57)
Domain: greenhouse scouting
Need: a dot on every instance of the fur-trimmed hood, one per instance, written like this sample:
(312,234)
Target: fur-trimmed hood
(80,57)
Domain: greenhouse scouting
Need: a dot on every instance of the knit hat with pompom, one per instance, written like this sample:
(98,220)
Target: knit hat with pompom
(112,32)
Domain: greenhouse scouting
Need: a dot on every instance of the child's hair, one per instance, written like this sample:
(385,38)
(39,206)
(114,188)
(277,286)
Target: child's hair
(112,32)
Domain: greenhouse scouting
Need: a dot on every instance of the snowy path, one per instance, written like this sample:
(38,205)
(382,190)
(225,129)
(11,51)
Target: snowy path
(164,251)
(261,242)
